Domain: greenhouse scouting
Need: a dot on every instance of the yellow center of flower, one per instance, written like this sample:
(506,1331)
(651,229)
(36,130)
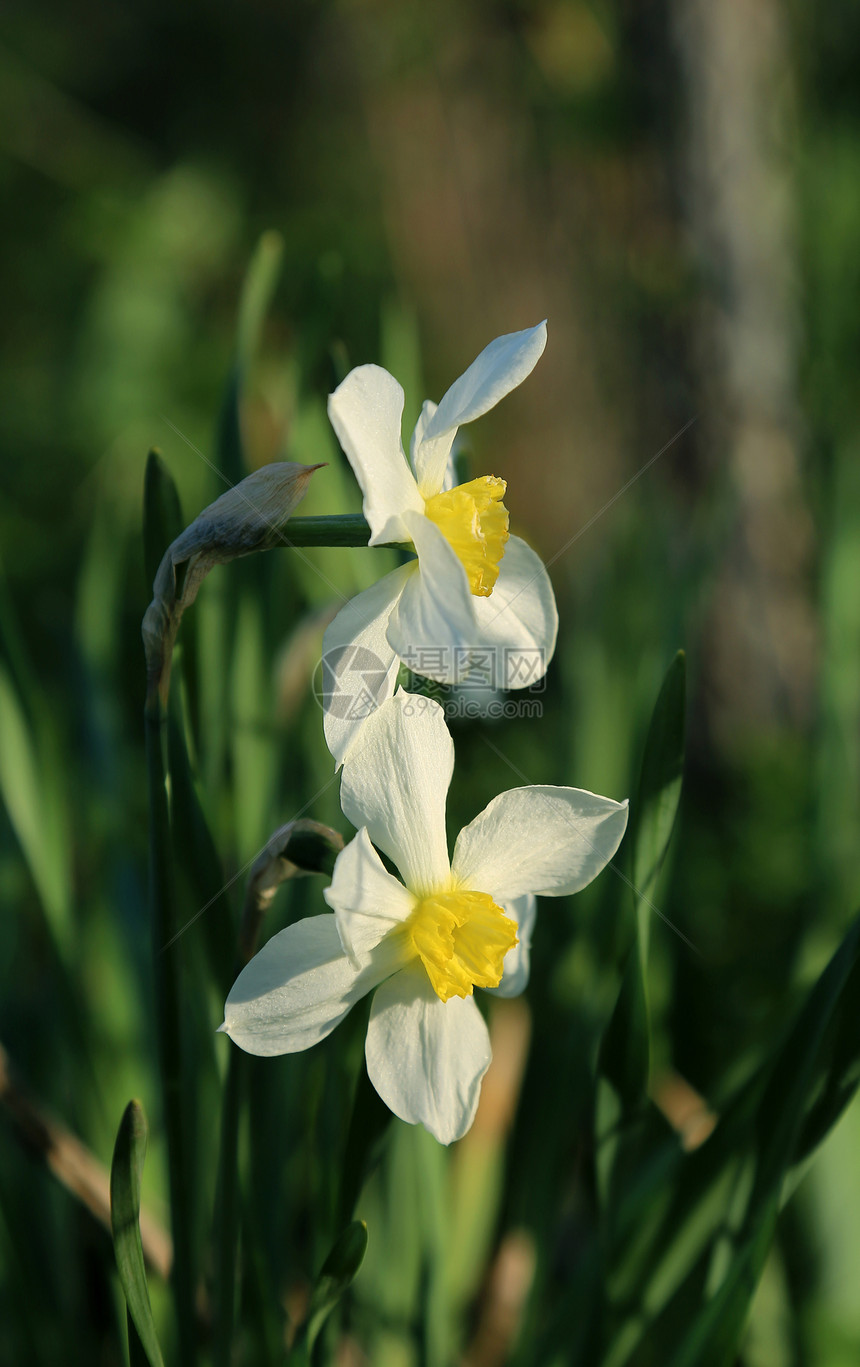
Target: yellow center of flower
(461,939)
(474,521)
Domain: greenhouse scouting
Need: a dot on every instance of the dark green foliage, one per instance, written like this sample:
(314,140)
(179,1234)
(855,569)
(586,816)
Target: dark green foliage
(125,1175)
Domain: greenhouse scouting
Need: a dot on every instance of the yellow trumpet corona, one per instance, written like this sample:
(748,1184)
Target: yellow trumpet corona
(474,521)
(461,939)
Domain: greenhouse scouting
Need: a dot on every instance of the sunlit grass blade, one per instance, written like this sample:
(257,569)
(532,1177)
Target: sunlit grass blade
(257,293)
(477,1177)
(659,786)
(29,786)
(125,1176)
(31,779)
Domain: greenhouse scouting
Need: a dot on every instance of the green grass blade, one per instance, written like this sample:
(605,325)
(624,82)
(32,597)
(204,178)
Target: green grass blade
(368,1126)
(136,1352)
(201,861)
(257,293)
(227,1211)
(228,436)
(624,1055)
(125,1175)
(728,1194)
(819,1056)
(161,505)
(169,1019)
(29,789)
(659,784)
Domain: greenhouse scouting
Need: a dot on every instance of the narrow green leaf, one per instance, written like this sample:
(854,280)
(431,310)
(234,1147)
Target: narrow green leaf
(712,1338)
(257,292)
(726,1196)
(125,1175)
(624,1056)
(171,1029)
(254,759)
(29,790)
(821,1050)
(12,642)
(621,1110)
(660,781)
(193,843)
(162,513)
(136,1351)
(368,1126)
(227,1211)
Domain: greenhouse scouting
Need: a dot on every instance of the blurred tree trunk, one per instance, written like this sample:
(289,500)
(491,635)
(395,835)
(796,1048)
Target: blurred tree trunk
(741,211)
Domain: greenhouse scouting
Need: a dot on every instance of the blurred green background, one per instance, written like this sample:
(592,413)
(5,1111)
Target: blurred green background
(676,187)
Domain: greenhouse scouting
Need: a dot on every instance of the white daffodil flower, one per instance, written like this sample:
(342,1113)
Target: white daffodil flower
(423,944)
(475,596)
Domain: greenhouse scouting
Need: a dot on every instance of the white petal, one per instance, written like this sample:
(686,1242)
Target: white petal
(501,366)
(296,990)
(366,411)
(432,627)
(366,900)
(395,782)
(359,667)
(426,1057)
(519,620)
(550,841)
(523,910)
(431,459)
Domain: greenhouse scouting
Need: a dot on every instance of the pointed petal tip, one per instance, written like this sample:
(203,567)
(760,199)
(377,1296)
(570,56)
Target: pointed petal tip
(223,1029)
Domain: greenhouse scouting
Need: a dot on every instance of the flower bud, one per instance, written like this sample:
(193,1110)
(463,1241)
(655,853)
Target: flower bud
(249,517)
(298,848)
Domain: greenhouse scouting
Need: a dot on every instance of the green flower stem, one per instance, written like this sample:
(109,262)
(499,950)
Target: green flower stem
(167,1003)
(346,529)
(227,1215)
